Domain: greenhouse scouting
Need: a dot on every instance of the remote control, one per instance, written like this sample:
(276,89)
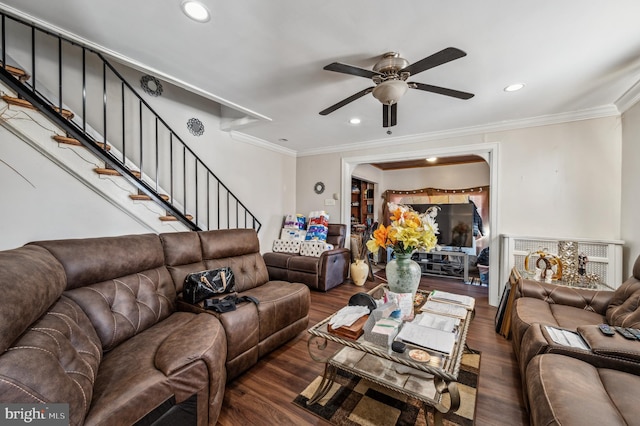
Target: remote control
(635,332)
(606,330)
(623,331)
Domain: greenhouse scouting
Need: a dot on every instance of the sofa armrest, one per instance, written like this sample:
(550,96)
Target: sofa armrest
(197,340)
(592,300)
(333,268)
(194,356)
(614,346)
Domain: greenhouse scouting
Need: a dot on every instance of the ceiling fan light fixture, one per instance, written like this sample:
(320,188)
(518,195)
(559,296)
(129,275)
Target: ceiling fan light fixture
(390,91)
(195,10)
(432,159)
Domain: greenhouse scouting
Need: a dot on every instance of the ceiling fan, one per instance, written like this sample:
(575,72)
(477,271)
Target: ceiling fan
(390,76)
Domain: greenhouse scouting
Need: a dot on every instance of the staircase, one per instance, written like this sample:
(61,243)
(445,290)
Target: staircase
(110,129)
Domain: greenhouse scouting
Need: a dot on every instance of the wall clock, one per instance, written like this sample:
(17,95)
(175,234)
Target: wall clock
(318,187)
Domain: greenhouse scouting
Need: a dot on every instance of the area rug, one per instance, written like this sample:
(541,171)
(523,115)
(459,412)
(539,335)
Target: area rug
(354,401)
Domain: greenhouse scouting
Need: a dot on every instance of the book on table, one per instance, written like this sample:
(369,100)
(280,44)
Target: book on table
(448,309)
(427,337)
(457,299)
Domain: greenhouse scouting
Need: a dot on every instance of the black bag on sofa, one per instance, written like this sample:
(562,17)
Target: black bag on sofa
(202,285)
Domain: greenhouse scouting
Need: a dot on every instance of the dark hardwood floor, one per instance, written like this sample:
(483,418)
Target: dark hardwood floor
(264,394)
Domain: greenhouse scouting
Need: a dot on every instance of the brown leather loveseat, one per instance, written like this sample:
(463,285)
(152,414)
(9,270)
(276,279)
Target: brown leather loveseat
(568,385)
(322,273)
(97,323)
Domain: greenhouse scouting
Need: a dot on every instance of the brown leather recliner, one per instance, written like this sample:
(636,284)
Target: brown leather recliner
(567,385)
(98,323)
(319,273)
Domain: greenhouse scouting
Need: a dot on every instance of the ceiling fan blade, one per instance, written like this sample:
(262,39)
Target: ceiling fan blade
(351,70)
(346,101)
(441,90)
(442,57)
(389,115)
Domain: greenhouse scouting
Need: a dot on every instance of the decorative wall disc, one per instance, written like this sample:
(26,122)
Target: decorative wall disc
(195,126)
(151,85)
(318,188)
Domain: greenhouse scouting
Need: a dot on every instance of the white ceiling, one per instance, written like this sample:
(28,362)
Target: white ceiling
(578,59)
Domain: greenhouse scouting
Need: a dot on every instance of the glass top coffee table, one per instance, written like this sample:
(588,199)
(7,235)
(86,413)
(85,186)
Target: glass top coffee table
(425,381)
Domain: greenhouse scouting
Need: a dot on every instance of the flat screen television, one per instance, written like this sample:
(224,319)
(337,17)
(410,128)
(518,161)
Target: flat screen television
(455,222)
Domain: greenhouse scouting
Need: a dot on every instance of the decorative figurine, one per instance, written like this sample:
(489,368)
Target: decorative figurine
(582,263)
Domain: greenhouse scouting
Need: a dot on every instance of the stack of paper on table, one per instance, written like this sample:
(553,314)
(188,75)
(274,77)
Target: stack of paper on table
(448,309)
(431,338)
(458,299)
(439,322)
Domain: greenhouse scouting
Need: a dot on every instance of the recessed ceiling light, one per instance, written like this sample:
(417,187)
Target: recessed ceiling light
(514,87)
(354,120)
(432,159)
(196,10)
(283,140)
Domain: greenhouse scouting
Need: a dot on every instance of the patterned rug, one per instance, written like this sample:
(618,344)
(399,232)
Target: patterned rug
(354,401)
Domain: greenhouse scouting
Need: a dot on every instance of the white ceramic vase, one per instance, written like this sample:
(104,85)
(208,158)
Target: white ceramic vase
(359,271)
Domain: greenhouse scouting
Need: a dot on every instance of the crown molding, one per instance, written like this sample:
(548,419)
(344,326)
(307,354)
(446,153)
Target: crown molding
(252,140)
(544,120)
(629,98)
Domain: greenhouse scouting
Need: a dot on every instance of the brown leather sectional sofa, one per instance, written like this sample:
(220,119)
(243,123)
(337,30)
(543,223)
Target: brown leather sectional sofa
(319,273)
(563,385)
(98,323)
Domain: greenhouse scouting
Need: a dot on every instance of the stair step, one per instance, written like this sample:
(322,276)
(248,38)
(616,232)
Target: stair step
(18,73)
(11,100)
(112,172)
(76,142)
(170,218)
(145,197)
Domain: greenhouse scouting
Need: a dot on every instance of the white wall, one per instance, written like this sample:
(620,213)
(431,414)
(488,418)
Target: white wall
(557,180)
(630,231)
(561,180)
(316,171)
(40,201)
(457,176)
(60,207)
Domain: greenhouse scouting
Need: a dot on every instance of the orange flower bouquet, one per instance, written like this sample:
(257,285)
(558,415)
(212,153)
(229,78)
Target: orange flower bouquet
(408,231)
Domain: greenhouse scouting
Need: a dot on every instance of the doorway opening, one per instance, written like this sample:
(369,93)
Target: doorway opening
(488,151)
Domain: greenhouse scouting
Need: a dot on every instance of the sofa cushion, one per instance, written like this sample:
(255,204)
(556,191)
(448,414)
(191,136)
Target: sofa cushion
(55,360)
(277,260)
(129,381)
(304,264)
(93,260)
(337,234)
(600,396)
(181,248)
(529,310)
(228,243)
(624,308)
(249,270)
(281,304)
(123,307)
(22,272)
